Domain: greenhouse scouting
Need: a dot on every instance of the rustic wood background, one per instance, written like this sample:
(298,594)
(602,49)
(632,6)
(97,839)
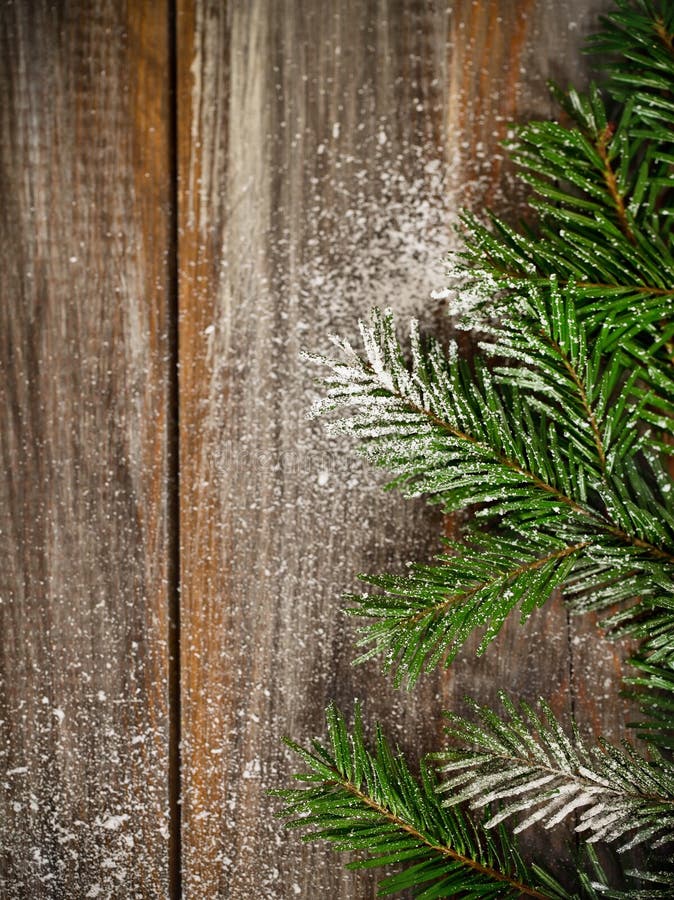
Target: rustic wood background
(190,194)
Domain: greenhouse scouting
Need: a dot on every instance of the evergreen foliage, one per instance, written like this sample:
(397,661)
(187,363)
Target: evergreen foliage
(527,763)
(557,440)
(367,800)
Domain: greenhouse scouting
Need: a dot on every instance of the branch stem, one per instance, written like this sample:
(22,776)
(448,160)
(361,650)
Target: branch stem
(611,183)
(580,387)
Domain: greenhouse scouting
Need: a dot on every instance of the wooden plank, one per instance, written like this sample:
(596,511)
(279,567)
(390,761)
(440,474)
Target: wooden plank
(324,149)
(85,231)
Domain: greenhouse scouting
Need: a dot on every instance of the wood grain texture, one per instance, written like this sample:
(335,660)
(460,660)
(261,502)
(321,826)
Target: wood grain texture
(83,388)
(324,150)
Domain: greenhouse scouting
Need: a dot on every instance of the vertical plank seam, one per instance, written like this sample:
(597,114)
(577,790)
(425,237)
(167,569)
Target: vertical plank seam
(173,476)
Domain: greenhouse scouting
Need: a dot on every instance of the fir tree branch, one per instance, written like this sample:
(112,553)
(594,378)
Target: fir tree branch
(599,173)
(536,481)
(369,384)
(361,799)
(512,277)
(407,413)
(500,580)
(426,616)
(499,458)
(600,301)
(527,763)
(491,873)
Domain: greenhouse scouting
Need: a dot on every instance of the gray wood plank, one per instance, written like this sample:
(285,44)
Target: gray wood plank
(324,150)
(83,505)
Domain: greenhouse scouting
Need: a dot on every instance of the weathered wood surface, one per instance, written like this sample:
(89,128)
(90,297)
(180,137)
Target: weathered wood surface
(324,149)
(84,228)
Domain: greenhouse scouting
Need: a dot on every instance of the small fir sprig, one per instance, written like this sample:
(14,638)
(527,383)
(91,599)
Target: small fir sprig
(551,447)
(527,764)
(367,801)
